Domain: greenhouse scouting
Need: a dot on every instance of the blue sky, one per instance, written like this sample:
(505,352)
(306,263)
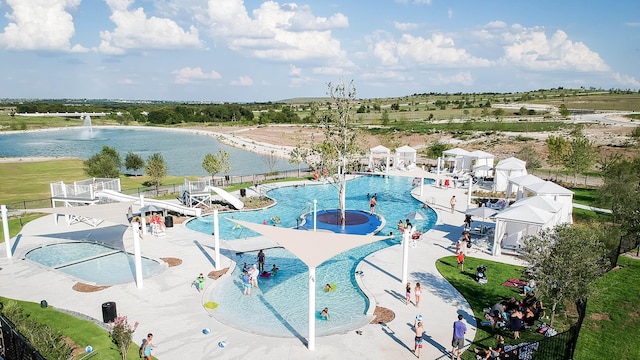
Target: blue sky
(254,50)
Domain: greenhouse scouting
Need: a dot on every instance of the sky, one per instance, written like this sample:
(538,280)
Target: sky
(255,51)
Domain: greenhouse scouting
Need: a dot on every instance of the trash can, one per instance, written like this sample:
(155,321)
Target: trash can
(43,304)
(243,192)
(109,312)
(168,221)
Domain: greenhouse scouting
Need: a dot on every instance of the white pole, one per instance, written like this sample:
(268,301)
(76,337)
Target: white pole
(421,187)
(5,230)
(311,341)
(405,255)
(136,254)
(216,238)
(469,193)
(143,216)
(315,214)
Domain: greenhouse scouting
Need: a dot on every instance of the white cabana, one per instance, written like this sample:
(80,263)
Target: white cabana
(458,158)
(518,183)
(507,169)
(516,223)
(405,158)
(557,193)
(481,162)
(379,152)
(543,203)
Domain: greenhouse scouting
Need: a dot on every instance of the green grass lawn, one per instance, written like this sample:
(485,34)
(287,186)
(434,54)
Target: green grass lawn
(585,196)
(82,332)
(609,330)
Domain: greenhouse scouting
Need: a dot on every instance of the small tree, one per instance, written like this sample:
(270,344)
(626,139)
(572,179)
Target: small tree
(581,156)
(105,164)
(531,156)
(270,160)
(558,148)
(133,162)
(214,164)
(297,156)
(122,334)
(566,261)
(436,149)
(156,169)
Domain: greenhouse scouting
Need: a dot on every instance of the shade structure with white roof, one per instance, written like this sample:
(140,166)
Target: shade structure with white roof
(312,248)
(557,193)
(405,158)
(458,158)
(379,152)
(482,162)
(518,184)
(516,223)
(507,169)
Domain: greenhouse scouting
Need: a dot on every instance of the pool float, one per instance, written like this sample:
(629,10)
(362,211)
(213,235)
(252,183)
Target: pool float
(210,305)
(275,219)
(237,226)
(333,287)
(265,274)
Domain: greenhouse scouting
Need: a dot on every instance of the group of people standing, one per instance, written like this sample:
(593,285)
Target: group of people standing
(457,341)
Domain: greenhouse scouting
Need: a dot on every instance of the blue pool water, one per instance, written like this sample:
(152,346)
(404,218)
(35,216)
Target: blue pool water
(93,263)
(279,308)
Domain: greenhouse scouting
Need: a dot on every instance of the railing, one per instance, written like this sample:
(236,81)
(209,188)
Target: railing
(13,345)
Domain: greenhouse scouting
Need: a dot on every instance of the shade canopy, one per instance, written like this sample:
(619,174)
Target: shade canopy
(483,212)
(547,188)
(112,212)
(151,208)
(380,150)
(312,248)
(414,216)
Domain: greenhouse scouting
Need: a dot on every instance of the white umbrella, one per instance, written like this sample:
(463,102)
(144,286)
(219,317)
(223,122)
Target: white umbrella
(414,216)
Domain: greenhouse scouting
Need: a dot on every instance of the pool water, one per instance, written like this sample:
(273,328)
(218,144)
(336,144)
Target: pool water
(93,263)
(280,307)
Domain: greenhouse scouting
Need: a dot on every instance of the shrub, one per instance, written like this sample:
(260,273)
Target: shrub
(122,334)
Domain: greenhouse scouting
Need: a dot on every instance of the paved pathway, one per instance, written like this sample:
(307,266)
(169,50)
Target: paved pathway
(169,307)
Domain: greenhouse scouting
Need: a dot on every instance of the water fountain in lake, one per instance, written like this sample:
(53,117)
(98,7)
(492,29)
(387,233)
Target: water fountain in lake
(87,129)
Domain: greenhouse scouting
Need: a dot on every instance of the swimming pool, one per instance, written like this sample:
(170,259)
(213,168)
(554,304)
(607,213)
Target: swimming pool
(280,307)
(93,263)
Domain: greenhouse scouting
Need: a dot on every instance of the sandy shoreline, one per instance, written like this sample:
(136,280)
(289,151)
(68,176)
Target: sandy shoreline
(230,139)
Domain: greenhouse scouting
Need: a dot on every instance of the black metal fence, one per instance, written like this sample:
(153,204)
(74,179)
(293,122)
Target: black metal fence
(14,346)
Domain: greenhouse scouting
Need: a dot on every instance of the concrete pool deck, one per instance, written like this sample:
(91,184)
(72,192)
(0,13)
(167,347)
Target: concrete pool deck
(171,308)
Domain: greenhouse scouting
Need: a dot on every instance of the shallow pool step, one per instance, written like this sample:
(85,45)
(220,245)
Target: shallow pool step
(87,259)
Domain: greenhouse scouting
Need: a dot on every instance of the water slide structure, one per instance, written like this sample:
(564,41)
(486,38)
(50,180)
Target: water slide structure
(118,196)
(226,196)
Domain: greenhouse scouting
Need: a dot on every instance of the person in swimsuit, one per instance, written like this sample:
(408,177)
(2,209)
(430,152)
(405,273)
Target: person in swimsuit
(408,293)
(274,270)
(328,288)
(146,347)
(246,283)
(417,291)
(325,314)
(417,349)
(372,204)
(200,280)
(261,261)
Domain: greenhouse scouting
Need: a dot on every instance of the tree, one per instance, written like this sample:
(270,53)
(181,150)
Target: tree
(214,164)
(122,334)
(340,149)
(564,112)
(297,156)
(621,193)
(385,117)
(270,160)
(565,262)
(581,156)
(531,156)
(156,169)
(436,149)
(133,162)
(558,147)
(105,164)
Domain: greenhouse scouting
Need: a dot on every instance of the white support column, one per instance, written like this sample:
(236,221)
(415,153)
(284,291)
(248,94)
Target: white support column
(406,236)
(136,254)
(311,341)
(470,190)
(216,238)
(143,216)
(421,187)
(5,230)
(315,214)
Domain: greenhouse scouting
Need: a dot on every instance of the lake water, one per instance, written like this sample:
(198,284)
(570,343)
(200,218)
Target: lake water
(182,151)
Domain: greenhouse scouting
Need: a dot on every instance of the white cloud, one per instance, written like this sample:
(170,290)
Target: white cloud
(276,32)
(450,13)
(633,24)
(294,70)
(189,74)
(626,80)
(438,50)
(462,78)
(329,70)
(127,81)
(40,25)
(134,30)
(405,26)
(242,81)
(532,49)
